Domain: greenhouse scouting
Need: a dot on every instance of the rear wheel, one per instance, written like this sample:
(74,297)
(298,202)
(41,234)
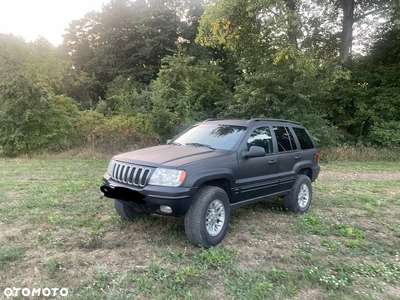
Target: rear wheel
(299,198)
(206,221)
(126,211)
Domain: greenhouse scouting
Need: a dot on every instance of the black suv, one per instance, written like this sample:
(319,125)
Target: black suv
(214,167)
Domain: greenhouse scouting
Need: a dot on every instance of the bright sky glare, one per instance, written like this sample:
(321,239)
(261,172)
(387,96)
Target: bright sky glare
(30,19)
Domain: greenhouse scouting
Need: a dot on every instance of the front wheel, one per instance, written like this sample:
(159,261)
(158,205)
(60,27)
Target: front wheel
(299,198)
(206,221)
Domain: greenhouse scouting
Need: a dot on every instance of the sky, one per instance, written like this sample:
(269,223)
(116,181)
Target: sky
(30,19)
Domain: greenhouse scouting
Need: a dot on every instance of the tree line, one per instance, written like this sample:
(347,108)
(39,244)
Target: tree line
(137,72)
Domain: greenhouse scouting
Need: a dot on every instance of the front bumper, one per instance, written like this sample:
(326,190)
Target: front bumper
(150,197)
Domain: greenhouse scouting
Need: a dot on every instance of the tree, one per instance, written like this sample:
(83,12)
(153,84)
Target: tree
(318,24)
(350,13)
(39,61)
(367,105)
(34,114)
(186,91)
(125,97)
(14,55)
(127,38)
(278,76)
(31,119)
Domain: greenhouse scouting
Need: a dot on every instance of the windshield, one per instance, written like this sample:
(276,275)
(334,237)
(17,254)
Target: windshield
(213,136)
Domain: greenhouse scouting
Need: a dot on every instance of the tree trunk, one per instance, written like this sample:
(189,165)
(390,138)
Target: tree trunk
(293,30)
(347,30)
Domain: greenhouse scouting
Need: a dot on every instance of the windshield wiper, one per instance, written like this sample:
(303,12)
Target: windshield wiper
(199,145)
(174,143)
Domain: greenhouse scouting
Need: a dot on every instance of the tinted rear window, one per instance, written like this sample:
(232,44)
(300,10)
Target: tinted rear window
(303,137)
(285,139)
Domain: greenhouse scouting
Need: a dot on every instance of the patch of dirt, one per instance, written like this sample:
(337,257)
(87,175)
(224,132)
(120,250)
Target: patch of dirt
(309,294)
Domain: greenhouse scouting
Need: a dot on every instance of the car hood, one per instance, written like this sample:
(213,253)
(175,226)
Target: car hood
(169,155)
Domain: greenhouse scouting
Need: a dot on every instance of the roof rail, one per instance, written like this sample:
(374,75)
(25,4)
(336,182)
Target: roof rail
(211,119)
(274,120)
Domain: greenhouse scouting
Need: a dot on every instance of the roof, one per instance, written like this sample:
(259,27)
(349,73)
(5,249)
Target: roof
(248,122)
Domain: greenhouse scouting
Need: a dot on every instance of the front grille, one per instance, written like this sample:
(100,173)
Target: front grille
(130,174)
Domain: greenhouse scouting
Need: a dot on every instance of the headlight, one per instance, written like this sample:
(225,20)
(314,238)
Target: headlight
(167,177)
(110,167)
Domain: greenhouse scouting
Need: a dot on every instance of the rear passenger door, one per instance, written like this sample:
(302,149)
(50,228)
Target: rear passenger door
(308,151)
(288,155)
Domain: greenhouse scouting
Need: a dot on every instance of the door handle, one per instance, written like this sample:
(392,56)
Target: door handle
(273,161)
(297,157)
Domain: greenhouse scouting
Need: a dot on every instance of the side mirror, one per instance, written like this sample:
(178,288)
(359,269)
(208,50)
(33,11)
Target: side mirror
(255,151)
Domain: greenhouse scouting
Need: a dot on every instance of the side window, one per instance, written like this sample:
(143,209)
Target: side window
(303,137)
(261,137)
(285,139)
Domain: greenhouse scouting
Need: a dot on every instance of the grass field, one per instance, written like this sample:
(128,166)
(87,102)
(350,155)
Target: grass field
(58,231)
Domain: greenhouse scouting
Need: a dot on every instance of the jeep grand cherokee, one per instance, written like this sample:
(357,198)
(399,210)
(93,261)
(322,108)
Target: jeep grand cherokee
(212,168)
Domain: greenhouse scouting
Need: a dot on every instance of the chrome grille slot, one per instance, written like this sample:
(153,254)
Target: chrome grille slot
(130,174)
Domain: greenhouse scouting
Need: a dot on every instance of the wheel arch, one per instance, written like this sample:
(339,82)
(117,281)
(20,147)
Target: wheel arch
(305,170)
(223,178)
(223,183)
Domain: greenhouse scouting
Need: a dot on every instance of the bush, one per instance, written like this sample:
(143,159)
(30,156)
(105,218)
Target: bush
(81,135)
(186,91)
(120,134)
(32,119)
(386,134)
(106,135)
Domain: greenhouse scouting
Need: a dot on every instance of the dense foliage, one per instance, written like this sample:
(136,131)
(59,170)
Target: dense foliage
(136,72)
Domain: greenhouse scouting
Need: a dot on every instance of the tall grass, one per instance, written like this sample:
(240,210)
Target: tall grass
(360,153)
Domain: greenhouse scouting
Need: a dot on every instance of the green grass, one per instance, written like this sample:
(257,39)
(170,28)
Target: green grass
(57,230)
(9,254)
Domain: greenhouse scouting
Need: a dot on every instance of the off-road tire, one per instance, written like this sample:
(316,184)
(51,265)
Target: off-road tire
(127,212)
(203,221)
(300,196)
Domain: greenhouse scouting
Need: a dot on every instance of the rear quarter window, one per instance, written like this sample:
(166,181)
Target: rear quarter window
(304,138)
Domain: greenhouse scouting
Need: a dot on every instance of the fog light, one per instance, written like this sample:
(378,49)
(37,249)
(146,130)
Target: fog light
(166,209)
